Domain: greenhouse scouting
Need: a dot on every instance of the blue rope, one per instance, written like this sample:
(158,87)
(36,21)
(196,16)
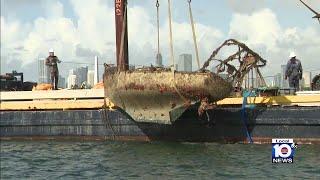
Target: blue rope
(244,116)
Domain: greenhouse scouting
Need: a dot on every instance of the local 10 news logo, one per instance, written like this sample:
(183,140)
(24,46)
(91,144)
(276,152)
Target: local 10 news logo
(283,150)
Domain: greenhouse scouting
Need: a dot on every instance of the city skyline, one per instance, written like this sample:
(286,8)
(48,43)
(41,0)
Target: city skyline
(272,28)
(277,80)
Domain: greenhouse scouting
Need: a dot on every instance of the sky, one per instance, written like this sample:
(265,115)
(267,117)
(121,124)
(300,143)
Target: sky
(78,30)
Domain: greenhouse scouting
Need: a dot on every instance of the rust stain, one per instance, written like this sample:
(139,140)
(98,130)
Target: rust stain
(160,91)
(134,87)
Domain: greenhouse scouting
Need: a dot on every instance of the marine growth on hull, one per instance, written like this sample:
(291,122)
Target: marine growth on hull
(154,94)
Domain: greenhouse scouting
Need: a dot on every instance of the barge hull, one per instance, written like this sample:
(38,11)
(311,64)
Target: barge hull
(225,125)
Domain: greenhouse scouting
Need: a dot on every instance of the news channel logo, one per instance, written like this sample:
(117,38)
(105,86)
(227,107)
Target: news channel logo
(283,150)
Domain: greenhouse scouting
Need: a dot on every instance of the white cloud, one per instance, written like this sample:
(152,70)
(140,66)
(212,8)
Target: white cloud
(246,6)
(262,31)
(93,32)
(95,25)
(36,38)
(259,28)
(54,9)
(58,33)
(12,32)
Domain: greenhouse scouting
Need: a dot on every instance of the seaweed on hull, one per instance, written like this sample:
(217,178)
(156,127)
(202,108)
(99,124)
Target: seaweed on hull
(162,95)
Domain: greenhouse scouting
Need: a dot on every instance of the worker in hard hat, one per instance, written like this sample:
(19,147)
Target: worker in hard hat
(52,62)
(293,71)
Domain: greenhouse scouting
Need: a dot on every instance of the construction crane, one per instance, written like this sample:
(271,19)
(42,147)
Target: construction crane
(121,35)
(317,16)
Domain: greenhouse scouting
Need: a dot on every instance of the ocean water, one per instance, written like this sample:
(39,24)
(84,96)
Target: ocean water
(151,160)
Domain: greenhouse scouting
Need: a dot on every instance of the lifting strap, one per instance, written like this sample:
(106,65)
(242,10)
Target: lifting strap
(244,116)
(170,36)
(194,34)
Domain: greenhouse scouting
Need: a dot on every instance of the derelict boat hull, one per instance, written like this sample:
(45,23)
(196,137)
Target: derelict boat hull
(161,96)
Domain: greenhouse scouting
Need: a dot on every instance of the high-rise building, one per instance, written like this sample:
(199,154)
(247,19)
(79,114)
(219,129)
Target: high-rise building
(185,62)
(72,81)
(306,76)
(71,72)
(277,80)
(96,70)
(272,84)
(81,74)
(90,78)
(159,60)
(284,82)
(43,72)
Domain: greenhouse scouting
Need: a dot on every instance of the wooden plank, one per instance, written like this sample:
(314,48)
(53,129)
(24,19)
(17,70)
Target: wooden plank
(275,100)
(303,93)
(59,100)
(58,94)
(98,103)
(52,104)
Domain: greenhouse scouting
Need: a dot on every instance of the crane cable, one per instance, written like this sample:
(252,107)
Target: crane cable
(194,34)
(158,26)
(172,55)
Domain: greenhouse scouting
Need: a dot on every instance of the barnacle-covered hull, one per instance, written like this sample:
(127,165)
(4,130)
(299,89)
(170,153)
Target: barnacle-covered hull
(160,95)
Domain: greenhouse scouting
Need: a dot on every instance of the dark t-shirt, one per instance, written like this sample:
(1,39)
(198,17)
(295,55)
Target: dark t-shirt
(294,68)
(52,62)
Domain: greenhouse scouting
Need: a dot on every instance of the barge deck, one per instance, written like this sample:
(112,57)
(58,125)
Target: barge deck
(80,114)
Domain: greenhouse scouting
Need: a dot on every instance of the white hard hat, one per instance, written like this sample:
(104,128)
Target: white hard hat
(292,54)
(51,50)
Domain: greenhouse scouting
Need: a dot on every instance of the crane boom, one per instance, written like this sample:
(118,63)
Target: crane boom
(121,34)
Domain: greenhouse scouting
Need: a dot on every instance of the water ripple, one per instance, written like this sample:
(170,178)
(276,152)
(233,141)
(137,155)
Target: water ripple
(155,160)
